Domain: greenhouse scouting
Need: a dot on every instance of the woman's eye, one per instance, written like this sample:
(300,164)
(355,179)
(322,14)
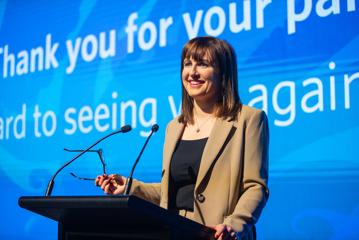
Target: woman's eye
(187,64)
(203,64)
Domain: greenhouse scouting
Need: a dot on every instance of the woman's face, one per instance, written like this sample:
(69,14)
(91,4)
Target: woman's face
(200,79)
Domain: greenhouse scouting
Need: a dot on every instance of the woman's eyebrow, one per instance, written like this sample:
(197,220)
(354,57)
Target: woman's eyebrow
(204,60)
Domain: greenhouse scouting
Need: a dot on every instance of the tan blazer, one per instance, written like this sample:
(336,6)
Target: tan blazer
(231,186)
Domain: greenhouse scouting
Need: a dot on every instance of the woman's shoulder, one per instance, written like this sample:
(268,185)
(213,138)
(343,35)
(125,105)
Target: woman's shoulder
(247,112)
(175,122)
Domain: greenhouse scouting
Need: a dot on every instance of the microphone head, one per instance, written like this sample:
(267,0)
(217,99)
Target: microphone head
(126,128)
(155,128)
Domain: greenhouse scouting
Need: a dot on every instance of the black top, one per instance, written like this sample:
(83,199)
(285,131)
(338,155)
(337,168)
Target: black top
(184,169)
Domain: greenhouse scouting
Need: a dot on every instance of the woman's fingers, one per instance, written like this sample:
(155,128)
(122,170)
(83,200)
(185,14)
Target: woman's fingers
(219,230)
(105,183)
(111,184)
(99,179)
(224,232)
(107,189)
(116,179)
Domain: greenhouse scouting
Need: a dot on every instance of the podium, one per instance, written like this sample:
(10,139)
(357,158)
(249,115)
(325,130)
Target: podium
(113,217)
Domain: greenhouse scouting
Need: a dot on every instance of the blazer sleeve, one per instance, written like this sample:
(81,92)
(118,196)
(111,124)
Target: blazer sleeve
(148,191)
(254,189)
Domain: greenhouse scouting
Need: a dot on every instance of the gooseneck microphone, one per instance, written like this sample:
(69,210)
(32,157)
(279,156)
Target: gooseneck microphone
(129,179)
(51,183)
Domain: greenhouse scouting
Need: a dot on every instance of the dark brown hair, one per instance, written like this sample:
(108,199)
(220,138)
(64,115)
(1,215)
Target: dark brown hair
(222,56)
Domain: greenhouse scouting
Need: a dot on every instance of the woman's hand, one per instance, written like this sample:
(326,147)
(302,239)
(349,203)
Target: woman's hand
(224,232)
(111,184)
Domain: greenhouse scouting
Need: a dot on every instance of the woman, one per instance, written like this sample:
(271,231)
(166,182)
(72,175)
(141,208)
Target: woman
(215,158)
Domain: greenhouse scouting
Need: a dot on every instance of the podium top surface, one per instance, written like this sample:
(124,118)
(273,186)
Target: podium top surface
(124,210)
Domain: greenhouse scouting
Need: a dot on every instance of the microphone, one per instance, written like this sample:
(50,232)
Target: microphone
(154,129)
(51,183)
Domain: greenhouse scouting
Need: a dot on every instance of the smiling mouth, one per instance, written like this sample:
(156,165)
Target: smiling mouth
(196,82)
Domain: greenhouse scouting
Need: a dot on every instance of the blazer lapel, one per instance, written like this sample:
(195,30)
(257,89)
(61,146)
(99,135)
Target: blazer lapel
(173,135)
(215,142)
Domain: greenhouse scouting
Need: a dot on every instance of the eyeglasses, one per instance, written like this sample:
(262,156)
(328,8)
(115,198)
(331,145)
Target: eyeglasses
(99,153)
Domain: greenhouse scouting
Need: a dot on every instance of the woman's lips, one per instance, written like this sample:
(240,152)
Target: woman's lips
(196,83)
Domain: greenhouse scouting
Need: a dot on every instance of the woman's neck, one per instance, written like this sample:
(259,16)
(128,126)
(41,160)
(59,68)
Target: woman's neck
(204,115)
(204,109)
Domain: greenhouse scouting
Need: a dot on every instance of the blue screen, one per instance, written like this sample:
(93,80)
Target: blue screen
(74,71)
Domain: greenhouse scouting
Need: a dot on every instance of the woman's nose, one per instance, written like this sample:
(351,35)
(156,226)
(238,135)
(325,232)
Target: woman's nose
(194,73)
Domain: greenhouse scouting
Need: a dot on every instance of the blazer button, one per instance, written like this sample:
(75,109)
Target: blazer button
(201,197)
